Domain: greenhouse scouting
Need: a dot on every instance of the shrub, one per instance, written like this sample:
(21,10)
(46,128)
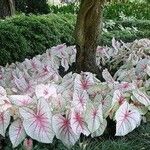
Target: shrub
(13,46)
(32,35)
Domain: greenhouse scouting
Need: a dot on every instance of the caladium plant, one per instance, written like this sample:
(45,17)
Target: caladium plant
(43,104)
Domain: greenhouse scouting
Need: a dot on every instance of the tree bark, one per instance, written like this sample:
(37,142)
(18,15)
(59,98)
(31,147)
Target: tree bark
(7,8)
(87,34)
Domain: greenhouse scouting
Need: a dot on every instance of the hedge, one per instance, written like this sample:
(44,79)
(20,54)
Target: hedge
(26,36)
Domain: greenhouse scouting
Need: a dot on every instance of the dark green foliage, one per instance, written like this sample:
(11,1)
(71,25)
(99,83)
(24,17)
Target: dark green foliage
(139,11)
(27,36)
(33,6)
(13,46)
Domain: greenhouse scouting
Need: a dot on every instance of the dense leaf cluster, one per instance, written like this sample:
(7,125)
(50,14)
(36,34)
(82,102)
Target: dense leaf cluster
(42,104)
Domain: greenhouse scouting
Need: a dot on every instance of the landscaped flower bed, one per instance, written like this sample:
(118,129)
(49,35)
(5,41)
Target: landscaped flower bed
(42,104)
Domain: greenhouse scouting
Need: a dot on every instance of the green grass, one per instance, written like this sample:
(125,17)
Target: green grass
(139,139)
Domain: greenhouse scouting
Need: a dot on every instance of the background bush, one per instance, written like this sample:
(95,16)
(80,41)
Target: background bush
(27,36)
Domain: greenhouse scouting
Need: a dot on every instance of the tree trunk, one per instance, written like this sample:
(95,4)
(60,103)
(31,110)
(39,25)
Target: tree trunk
(88,31)
(7,8)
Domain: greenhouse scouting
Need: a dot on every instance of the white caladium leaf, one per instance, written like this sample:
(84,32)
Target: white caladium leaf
(4,121)
(93,117)
(64,63)
(84,81)
(127,75)
(141,66)
(125,86)
(80,99)
(148,69)
(118,98)
(100,130)
(16,133)
(21,83)
(116,45)
(106,105)
(2,92)
(141,97)
(78,123)
(108,78)
(101,88)
(37,123)
(45,91)
(4,104)
(63,130)
(21,100)
(127,119)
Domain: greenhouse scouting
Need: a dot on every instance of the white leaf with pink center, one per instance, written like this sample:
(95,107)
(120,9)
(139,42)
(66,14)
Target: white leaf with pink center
(141,97)
(37,123)
(21,83)
(80,99)
(125,86)
(16,133)
(118,98)
(83,81)
(94,116)
(63,130)
(45,91)
(127,119)
(21,100)
(106,105)
(4,104)
(4,122)
(78,123)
